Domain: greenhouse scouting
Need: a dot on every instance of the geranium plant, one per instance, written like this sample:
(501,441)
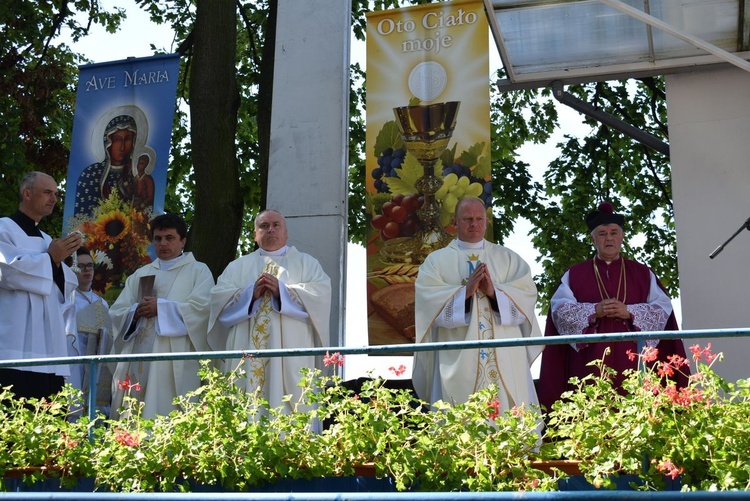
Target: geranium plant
(219,435)
(223,436)
(40,439)
(651,428)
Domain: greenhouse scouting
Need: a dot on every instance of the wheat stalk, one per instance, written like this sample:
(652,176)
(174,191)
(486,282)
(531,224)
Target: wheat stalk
(396,274)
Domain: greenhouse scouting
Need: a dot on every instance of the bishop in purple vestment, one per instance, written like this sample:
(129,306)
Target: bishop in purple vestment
(605,294)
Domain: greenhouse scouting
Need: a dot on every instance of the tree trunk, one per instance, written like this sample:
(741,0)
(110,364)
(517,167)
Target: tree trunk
(265,100)
(214,101)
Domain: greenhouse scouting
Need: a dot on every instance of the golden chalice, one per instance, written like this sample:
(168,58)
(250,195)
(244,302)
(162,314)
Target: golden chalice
(426,131)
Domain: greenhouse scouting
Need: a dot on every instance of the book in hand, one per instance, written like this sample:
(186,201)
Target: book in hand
(146,287)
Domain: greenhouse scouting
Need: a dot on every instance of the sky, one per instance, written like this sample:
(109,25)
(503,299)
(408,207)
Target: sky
(133,40)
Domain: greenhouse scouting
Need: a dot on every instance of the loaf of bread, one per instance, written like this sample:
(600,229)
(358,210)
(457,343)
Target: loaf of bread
(395,305)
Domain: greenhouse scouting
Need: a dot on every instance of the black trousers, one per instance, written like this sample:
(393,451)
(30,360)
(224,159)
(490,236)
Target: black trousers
(31,384)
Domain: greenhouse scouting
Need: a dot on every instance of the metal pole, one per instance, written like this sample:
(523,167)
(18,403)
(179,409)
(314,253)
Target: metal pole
(389,348)
(605,495)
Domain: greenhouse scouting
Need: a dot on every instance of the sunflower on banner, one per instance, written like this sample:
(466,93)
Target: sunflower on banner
(117,235)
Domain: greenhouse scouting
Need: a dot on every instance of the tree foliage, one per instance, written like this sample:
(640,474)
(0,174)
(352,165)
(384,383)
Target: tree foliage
(601,165)
(37,92)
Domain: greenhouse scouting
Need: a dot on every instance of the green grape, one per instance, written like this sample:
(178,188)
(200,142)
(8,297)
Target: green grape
(474,190)
(454,189)
(445,218)
(448,182)
(449,203)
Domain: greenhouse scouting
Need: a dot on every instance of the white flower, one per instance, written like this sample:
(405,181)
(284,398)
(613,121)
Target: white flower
(101,258)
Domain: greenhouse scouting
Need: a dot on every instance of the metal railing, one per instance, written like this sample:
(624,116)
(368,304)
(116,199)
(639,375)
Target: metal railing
(639,337)
(383,496)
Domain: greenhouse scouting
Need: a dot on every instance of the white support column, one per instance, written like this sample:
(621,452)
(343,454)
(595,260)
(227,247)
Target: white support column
(308,173)
(709,138)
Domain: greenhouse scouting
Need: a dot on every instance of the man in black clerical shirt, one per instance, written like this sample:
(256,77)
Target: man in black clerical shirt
(34,286)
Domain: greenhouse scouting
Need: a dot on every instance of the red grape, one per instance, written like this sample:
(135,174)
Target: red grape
(410,227)
(399,214)
(391,230)
(387,208)
(379,222)
(410,203)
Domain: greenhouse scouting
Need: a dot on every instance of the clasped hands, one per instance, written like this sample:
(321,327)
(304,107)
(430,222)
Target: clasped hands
(612,308)
(480,280)
(147,307)
(266,283)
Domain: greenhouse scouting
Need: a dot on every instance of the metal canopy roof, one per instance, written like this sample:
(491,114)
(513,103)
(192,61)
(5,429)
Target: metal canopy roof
(573,41)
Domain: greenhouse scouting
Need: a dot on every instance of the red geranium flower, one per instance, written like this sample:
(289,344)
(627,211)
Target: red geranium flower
(335,358)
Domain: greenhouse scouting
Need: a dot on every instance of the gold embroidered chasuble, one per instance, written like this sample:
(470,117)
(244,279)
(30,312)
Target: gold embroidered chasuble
(463,372)
(308,286)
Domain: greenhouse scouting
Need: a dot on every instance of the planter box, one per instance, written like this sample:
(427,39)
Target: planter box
(622,483)
(363,481)
(566,466)
(577,482)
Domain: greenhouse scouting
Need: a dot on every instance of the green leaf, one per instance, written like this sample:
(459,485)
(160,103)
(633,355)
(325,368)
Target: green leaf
(388,137)
(484,168)
(469,157)
(408,173)
(448,155)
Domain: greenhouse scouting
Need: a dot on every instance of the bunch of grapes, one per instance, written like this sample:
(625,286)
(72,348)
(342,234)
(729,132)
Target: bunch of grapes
(461,172)
(388,161)
(457,169)
(454,189)
(398,217)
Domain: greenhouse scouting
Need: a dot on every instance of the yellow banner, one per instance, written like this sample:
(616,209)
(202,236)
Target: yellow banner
(427,145)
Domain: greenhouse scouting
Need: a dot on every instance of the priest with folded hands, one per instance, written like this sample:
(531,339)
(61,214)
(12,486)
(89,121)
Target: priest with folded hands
(163,309)
(475,290)
(274,298)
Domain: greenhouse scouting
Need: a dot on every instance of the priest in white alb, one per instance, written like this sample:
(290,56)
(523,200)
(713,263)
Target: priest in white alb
(274,298)
(163,309)
(35,285)
(475,290)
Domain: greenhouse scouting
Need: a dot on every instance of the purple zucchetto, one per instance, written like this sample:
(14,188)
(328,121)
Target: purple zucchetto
(604,214)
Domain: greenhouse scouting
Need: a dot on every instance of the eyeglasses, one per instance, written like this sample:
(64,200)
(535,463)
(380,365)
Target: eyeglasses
(87,266)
